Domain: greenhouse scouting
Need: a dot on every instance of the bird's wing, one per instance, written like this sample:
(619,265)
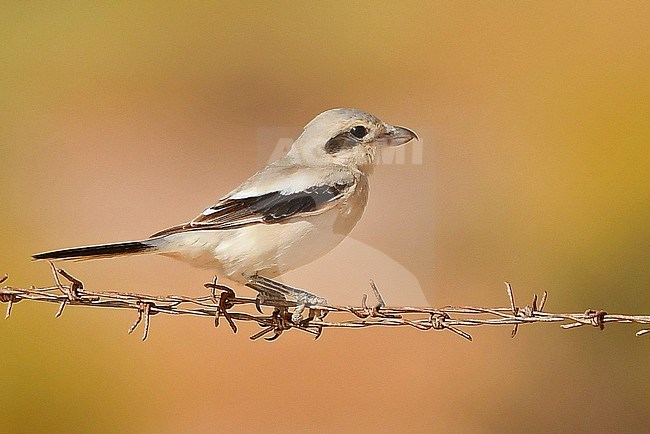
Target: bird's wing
(238,210)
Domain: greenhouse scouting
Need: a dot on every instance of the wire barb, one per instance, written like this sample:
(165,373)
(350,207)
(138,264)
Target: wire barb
(513,307)
(223,302)
(144,312)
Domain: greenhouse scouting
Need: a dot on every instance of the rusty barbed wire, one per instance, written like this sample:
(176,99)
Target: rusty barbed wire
(222,302)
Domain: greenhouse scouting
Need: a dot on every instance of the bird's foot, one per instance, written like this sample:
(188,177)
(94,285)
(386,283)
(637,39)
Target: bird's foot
(272,290)
(268,297)
(302,297)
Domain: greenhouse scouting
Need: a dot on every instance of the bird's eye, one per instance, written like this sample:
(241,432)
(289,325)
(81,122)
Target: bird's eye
(359,131)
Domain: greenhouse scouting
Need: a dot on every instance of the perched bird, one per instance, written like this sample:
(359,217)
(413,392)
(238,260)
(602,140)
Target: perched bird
(288,214)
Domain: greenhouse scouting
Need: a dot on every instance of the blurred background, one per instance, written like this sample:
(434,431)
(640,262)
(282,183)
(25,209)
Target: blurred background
(119,119)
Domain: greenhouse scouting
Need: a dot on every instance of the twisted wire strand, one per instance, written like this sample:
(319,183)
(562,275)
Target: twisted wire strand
(222,302)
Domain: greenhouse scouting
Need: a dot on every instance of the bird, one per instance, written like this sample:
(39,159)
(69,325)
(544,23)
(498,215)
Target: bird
(288,214)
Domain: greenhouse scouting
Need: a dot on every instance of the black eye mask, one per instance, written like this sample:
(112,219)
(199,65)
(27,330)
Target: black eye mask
(340,142)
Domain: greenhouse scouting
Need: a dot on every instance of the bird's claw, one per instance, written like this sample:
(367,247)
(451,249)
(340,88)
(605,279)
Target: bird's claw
(275,290)
(296,315)
(268,297)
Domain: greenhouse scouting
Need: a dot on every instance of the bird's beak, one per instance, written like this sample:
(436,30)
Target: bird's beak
(395,136)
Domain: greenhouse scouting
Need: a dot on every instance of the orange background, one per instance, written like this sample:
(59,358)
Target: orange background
(118,120)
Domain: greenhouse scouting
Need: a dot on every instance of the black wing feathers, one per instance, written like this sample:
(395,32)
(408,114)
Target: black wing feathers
(274,207)
(277,206)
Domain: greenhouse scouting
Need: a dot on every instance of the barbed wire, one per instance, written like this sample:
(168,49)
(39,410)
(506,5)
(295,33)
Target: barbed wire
(222,302)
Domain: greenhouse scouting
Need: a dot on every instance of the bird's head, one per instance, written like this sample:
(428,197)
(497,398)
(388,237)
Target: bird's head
(347,137)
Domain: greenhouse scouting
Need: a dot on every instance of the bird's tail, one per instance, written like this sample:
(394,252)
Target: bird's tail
(99,251)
